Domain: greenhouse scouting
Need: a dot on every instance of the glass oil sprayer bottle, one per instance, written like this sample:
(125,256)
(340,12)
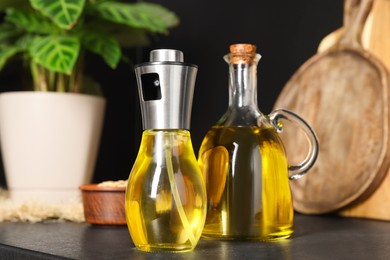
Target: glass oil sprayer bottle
(244,163)
(166,195)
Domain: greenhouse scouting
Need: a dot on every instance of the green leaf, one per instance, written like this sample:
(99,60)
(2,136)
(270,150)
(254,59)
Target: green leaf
(64,13)
(25,41)
(167,17)
(7,50)
(126,36)
(7,53)
(153,17)
(104,45)
(56,53)
(8,32)
(29,21)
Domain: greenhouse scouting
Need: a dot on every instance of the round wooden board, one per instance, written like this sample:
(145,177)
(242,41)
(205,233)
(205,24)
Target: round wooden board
(343,94)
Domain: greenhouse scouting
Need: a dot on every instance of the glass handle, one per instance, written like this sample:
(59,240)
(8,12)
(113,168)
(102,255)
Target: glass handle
(297,171)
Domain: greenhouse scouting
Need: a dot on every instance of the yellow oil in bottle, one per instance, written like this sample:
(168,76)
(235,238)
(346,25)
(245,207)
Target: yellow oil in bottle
(165,197)
(246,176)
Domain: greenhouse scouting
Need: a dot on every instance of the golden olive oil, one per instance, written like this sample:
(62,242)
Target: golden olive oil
(165,197)
(246,175)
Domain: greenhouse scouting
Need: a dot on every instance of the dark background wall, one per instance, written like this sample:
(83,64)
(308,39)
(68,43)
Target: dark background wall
(286,33)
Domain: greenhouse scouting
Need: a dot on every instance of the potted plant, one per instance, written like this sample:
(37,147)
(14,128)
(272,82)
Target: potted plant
(50,135)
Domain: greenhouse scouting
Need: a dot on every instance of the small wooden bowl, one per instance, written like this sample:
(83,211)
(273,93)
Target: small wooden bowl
(104,205)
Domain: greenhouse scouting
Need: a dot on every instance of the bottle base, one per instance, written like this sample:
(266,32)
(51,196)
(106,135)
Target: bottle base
(265,238)
(171,248)
(244,238)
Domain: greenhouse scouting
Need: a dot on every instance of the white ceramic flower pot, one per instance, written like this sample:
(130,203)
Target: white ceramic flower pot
(49,143)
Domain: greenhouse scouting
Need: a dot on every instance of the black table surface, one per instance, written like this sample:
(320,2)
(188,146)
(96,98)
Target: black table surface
(315,237)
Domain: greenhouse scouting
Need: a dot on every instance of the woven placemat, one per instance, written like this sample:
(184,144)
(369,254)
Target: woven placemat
(38,211)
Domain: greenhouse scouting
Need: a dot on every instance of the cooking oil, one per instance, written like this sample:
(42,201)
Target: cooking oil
(166,195)
(246,175)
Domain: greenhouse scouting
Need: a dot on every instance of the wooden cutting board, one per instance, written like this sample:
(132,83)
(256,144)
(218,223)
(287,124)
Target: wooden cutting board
(343,93)
(375,36)
(332,38)
(378,42)
(377,32)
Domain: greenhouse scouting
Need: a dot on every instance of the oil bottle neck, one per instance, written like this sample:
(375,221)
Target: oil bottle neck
(243,109)
(243,86)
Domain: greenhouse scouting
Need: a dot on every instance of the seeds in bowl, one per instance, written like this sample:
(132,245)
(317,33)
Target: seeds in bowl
(119,183)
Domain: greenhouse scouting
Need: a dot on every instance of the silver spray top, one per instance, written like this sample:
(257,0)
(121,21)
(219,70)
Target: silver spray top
(166,87)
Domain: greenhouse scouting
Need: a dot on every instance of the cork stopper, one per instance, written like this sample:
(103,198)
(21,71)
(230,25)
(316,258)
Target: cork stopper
(242,53)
